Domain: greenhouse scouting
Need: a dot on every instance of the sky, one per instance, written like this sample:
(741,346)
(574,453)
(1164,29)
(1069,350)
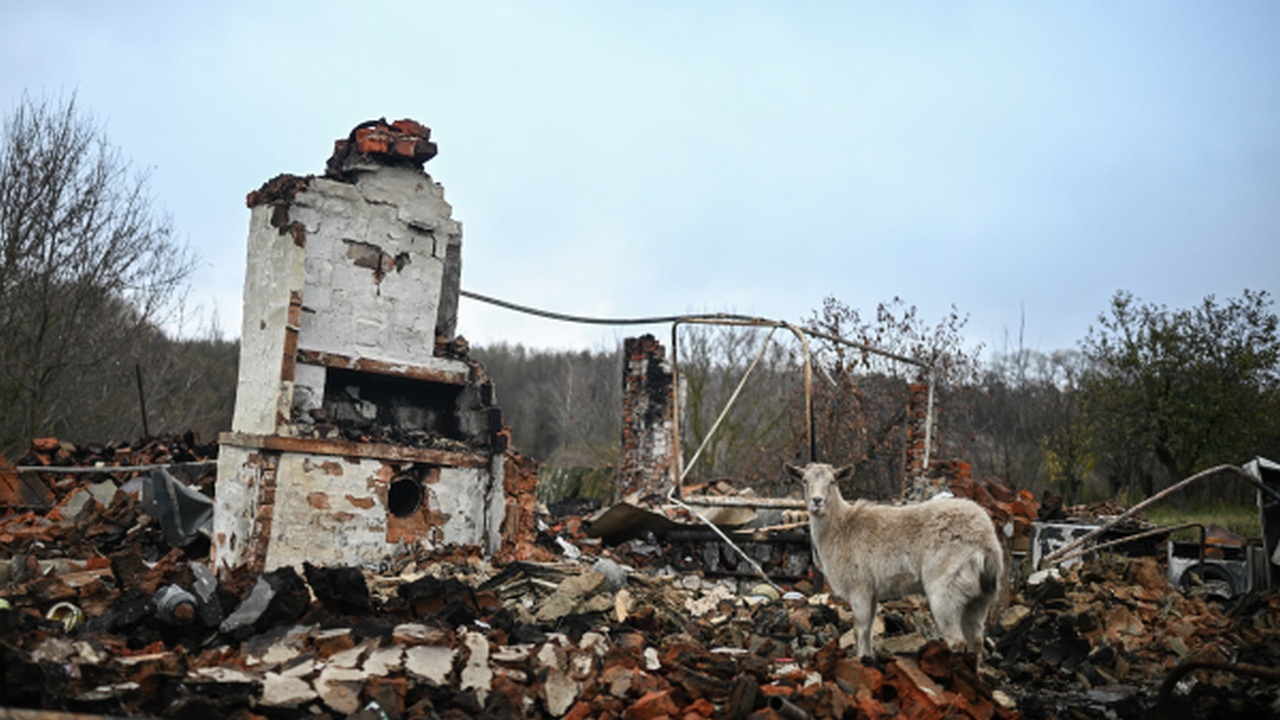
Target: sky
(1021,162)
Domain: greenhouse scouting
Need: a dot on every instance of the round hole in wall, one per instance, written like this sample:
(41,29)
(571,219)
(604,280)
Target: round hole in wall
(404,496)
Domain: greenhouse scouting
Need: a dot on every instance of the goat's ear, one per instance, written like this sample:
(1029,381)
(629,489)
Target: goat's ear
(845,473)
(794,471)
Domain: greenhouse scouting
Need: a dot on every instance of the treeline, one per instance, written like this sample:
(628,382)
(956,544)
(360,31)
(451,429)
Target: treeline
(1149,397)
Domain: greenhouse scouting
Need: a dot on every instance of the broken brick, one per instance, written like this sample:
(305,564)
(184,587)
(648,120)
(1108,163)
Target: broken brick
(651,706)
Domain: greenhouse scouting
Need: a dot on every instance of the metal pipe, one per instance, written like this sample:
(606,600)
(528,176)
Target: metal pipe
(1056,556)
(867,348)
(745,501)
(808,393)
(786,709)
(78,470)
(1138,536)
(675,407)
(728,404)
(740,321)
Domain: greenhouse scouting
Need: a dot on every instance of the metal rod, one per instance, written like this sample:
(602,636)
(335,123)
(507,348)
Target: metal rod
(750,560)
(728,405)
(808,393)
(1056,556)
(764,531)
(142,399)
(1130,538)
(741,501)
(786,709)
(78,470)
(867,348)
(675,407)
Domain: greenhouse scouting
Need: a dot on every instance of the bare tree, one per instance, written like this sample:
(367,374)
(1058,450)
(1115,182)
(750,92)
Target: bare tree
(564,408)
(84,262)
(750,444)
(861,399)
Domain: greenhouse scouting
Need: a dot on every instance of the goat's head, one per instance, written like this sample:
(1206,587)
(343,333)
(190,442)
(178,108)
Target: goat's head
(821,488)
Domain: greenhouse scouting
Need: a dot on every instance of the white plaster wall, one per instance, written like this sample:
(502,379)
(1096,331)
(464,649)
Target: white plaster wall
(460,494)
(351,530)
(347,309)
(496,499)
(236,490)
(274,267)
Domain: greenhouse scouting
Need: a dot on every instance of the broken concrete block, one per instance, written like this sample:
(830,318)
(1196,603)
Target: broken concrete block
(559,692)
(476,674)
(384,661)
(651,661)
(576,595)
(418,634)
(430,662)
(285,691)
(348,658)
(339,688)
(618,680)
(582,666)
(1013,615)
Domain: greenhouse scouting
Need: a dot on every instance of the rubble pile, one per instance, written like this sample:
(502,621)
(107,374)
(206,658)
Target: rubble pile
(101,615)
(65,514)
(1101,636)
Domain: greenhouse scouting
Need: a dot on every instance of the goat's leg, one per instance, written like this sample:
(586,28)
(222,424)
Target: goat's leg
(974,622)
(948,607)
(863,607)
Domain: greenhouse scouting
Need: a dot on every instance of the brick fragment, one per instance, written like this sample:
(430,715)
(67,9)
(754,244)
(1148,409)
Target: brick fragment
(581,710)
(23,490)
(700,709)
(653,705)
(389,693)
(860,680)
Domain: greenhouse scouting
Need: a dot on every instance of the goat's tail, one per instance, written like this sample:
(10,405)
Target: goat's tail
(992,569)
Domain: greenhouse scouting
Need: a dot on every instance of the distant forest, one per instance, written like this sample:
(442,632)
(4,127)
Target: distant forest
(1151,396)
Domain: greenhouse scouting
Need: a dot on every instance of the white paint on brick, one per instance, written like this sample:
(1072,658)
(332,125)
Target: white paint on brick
(233,509)
(330,510)
(275,267)
(342,533)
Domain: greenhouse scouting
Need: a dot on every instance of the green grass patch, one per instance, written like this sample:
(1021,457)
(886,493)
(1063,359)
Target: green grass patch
(1239,518)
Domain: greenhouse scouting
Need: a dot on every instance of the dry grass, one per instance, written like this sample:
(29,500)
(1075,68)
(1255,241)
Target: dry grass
(1238,518)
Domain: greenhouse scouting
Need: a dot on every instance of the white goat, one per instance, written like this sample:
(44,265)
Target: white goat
(945,548)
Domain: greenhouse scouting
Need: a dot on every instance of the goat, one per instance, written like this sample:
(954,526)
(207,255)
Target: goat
(946,548)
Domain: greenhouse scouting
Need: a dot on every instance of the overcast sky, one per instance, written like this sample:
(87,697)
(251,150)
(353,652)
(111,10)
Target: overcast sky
(1020,161)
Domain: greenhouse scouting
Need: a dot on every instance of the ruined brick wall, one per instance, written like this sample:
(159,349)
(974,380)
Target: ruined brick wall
(520,510)
(648,423)
(916,483)
(917,419)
